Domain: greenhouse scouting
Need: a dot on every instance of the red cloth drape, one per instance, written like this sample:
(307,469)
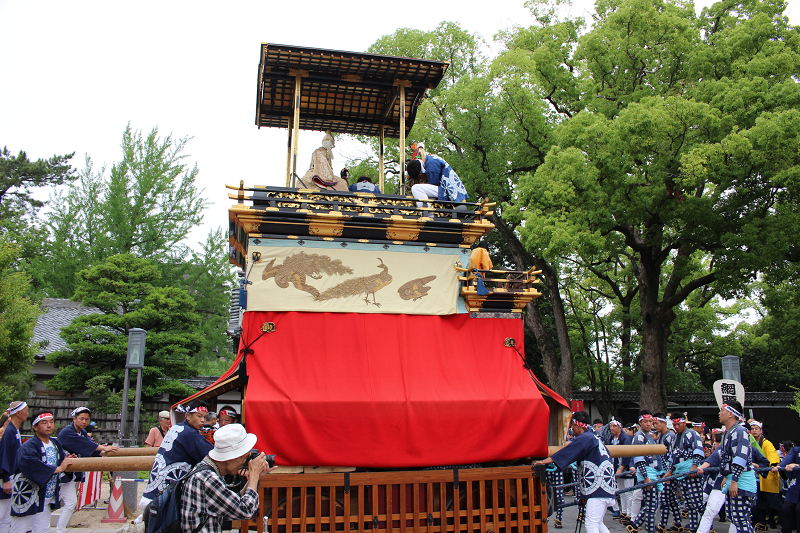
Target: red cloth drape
(377,390)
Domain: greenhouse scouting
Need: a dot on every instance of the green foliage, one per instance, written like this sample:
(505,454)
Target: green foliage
(146,206)
(123,288)
(657,151)
(19,177)
(17,318)
(208,278)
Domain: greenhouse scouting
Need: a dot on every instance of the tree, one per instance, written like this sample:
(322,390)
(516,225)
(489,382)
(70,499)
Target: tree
(18,207)
(146,206)
(17,318)
(208,278)
(660,146)
(122,288)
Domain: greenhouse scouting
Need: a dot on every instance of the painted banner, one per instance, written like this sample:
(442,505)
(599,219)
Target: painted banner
(342,277)
(726,390)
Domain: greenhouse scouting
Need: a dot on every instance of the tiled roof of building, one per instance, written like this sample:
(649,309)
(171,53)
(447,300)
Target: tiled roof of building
(200,382)
(56,314)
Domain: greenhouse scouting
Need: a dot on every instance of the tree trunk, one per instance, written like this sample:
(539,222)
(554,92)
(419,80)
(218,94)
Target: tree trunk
(558,365)
(656,321)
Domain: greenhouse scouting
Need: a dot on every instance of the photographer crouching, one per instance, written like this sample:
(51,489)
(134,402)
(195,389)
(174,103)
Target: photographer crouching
(207,501)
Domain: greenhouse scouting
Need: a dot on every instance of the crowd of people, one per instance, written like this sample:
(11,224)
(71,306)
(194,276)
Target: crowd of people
(715,469)
(35,481)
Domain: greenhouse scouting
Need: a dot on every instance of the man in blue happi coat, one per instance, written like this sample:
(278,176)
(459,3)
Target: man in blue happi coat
(736,478)
(442,181)
(648,468)
(35,490)
(595,470)
(687,455)
(182,448)
(791,508)
(9,446)
(75,440)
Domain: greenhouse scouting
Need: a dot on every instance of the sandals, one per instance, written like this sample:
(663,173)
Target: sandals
(557,524)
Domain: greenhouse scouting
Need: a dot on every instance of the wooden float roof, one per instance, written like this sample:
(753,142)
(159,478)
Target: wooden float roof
(345,92)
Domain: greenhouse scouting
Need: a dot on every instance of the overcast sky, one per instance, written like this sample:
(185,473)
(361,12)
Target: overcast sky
(75,73)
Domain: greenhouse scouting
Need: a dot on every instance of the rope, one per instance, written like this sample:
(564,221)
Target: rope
(664,480)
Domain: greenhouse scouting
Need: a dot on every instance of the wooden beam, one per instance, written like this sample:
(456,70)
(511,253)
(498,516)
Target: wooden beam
(296,125)
(381,175)
(402,139)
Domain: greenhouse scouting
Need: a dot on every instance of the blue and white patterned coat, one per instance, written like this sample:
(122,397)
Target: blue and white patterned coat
(29,484)
(182,448)
(595,466)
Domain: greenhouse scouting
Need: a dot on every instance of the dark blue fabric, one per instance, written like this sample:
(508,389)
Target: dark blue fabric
(595,467)
(9,446)
(33,474)
(734,449)
(182,448)
(688,447)
(792,485)
(624,438)
(78,443)
(653,461)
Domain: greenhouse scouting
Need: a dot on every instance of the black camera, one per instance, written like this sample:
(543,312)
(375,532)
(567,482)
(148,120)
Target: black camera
(255,453)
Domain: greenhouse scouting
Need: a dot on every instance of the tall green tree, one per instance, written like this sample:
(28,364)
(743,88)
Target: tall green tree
(17,318)
(123,289)
(20,177)
(146,205)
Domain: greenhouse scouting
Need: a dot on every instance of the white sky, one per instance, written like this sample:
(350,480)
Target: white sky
(75,73)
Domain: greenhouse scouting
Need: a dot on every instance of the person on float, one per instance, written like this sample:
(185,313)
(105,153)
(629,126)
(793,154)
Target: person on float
(76,440)
(599,486)
(442,181)
(36,490)
(10,444)
(320,174)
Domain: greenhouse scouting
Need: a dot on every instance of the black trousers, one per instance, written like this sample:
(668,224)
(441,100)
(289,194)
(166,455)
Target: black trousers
(790,517)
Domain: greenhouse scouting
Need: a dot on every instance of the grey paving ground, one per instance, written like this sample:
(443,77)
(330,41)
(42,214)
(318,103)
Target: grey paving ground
(571,513)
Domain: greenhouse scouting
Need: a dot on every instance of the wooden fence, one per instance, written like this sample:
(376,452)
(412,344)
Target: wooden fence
(107,423)
(481,500)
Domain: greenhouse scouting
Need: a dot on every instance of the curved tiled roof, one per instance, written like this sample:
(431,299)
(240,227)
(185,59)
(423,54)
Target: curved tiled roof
(56,313)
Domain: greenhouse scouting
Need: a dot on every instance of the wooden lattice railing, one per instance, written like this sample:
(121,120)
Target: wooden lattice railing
(503,500)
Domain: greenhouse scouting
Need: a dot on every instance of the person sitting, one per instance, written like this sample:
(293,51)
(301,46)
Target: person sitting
(320,174)
(227,415)
(207,501)
(364,184)
(442,181)
(479,258)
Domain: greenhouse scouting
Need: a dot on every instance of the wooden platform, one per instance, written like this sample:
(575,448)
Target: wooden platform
(503,500)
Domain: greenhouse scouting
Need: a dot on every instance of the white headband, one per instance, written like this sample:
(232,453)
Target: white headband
(78,410)
(43,416)
(17,409)
(615,422)
(733,411)
(198,409)
(756,423)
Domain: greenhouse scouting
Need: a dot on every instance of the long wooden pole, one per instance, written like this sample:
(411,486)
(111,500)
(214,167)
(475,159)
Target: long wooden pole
(133,452)
(625,450)
(142,463)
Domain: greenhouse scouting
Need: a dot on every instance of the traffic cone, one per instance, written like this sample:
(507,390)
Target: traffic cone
(115,511)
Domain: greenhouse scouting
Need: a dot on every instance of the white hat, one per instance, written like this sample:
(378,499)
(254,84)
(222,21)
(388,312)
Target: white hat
(231,441)
(163,414)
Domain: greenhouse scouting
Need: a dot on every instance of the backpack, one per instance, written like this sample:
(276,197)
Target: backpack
(164,514)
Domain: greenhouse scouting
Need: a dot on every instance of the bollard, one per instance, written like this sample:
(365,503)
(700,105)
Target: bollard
(115,511)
